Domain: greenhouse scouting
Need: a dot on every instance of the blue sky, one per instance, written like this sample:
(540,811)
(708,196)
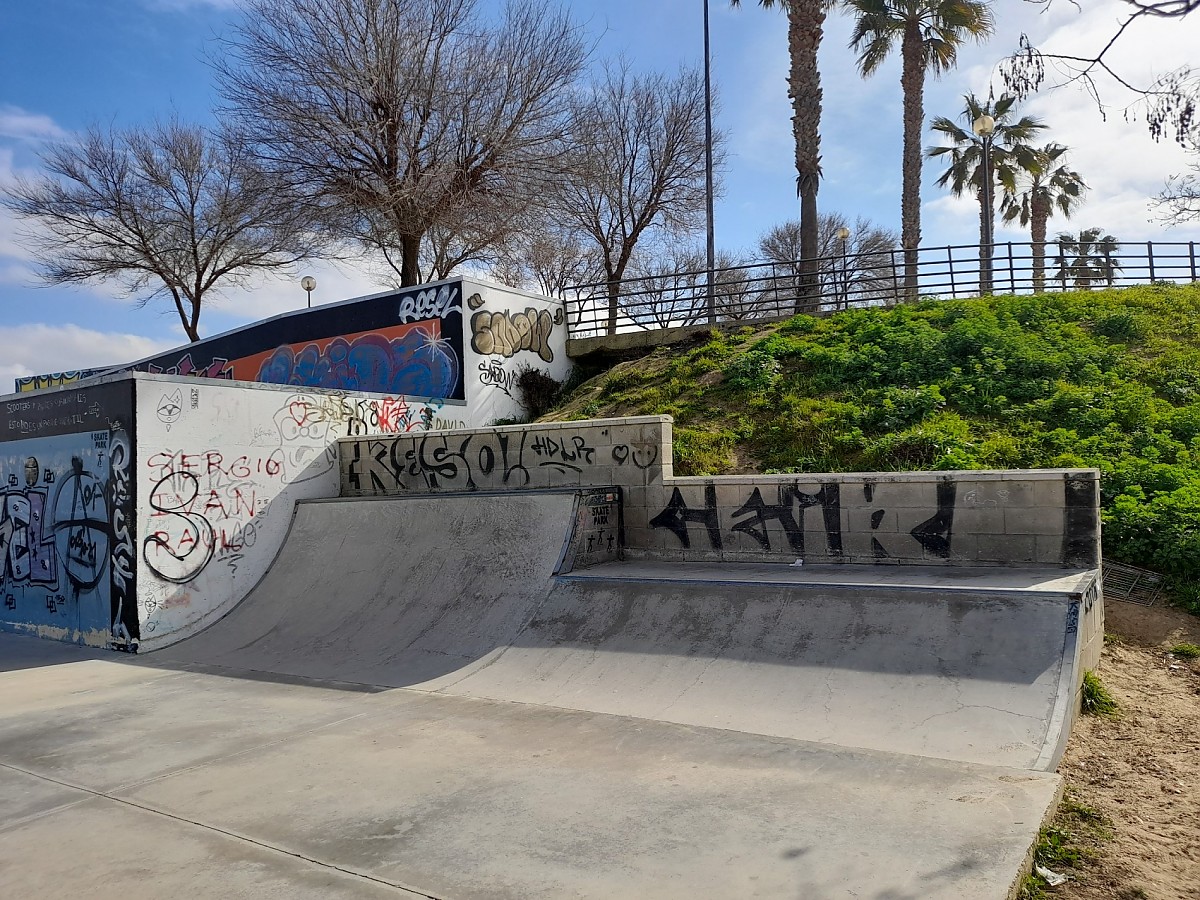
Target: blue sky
(67,63)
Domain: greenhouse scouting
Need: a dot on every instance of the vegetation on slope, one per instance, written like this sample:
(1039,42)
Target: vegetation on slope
(1109,379)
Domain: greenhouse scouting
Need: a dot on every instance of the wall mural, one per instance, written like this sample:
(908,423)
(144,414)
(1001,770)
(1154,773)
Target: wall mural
(65,540)
(53,379)
(407,342)
(66,513)
(502,336)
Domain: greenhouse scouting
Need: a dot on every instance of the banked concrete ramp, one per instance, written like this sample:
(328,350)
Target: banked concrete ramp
(468,596)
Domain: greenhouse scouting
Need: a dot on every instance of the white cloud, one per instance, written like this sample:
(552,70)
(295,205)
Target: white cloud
(39,348)
(22,125)
(279,294)
(187,5)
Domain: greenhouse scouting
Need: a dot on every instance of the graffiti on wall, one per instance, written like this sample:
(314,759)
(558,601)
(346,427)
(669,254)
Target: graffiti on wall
(479,460)
(933,519)
(217,367)
(65,544)
(417,361)
(406,342)
(53,379)
(506,334)
(779,523)
(205,506)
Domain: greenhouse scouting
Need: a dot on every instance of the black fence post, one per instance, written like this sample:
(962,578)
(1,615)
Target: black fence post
(1150,257)
(1192,257)
(895,280)
(1012,284)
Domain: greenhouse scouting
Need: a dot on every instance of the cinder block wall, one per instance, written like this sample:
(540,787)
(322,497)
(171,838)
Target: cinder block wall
(1031,517)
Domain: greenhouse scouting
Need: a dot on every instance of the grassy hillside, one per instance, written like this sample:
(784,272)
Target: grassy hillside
(1109,379)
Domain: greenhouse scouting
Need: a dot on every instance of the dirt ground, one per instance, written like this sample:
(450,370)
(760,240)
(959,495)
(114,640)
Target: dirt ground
(1140,771)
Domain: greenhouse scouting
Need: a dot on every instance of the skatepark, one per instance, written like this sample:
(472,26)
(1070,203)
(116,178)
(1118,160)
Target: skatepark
(528,662)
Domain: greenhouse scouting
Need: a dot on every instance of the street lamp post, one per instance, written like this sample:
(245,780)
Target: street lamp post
(309,284)
(985,128)
(708,172)
(843,234)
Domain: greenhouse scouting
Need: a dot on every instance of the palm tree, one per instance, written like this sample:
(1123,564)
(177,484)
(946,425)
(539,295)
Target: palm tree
(929,33)
(1010,153)
(1086,258)
(806,20)
(1051,187)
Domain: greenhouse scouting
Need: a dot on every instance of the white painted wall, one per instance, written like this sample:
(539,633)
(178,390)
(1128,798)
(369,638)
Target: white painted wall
(505,329)
(220,466)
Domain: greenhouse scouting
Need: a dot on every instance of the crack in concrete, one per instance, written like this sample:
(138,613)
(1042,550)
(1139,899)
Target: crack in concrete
(405,890)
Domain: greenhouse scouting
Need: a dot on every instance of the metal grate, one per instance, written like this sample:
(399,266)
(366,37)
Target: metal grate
(1131,584)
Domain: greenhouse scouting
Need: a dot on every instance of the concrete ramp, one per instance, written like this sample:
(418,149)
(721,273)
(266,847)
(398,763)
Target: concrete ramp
(392,592)
(459,595)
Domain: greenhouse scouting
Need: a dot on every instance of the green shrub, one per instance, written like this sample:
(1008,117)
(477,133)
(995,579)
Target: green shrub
(700,452)
(754,372)
(1097,701)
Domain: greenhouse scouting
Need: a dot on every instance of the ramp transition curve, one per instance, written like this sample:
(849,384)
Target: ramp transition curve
(461,595)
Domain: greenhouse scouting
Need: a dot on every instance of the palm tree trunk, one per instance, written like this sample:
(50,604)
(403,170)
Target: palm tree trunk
(912,83)
(1039,214)
(806,19)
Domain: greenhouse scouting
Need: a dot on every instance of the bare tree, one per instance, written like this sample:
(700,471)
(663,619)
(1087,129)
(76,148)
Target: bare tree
(401,116)
(169,209)
(638,161)
(1170,101)
(861,268)
(545,257)
(1179,200)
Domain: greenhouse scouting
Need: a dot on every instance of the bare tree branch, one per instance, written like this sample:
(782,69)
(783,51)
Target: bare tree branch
(166,210)
(1170,101)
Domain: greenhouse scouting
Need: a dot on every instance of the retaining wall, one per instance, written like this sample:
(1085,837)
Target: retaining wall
(1008,518)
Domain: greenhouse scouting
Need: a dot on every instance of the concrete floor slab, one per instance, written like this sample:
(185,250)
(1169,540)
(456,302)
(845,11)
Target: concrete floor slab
(107,850)
(462,798)
(181,719)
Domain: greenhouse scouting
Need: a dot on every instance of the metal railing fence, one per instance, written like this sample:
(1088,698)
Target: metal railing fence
(772,290)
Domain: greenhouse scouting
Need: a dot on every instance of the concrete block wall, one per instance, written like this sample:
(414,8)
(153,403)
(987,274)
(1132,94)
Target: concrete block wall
(1033,517)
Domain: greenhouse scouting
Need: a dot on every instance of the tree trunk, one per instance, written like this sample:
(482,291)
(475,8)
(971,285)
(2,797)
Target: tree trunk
(806,19)
(614,296)
(912,83)
(410,264)
(1039,214)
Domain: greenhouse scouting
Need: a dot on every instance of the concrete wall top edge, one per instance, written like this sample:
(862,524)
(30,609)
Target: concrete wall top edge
(922,475)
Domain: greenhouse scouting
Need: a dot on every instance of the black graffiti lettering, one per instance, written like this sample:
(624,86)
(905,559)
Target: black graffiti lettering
(935,532)
(677,514)
(189,547)
(755,513)
(517,463)
(493,374)
(79,510)
(563,455)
